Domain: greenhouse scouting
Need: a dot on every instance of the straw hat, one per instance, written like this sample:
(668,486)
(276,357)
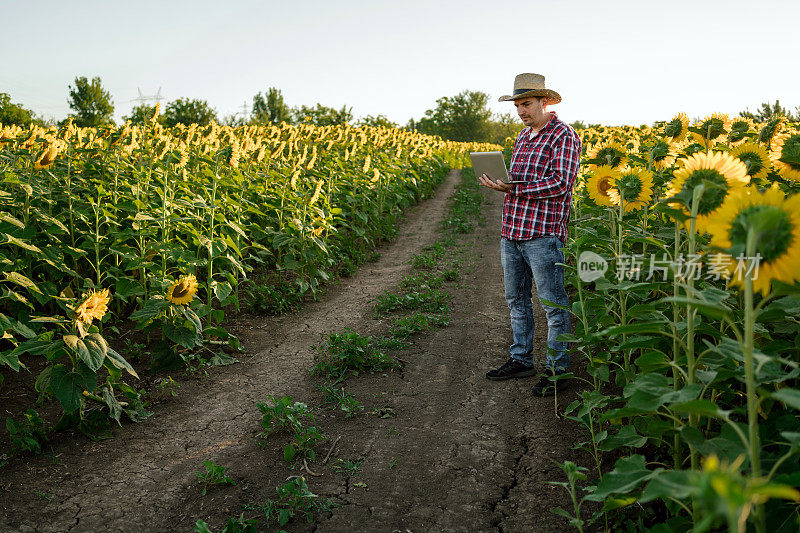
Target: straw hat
(529,84)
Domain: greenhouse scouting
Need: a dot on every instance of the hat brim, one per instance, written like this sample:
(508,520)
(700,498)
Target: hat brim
(552,96)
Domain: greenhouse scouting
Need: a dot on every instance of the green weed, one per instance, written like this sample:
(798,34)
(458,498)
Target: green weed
(233,525)
(214,475)
(338,396)
(405,326)
(294,500)
(348,466)
(28,435)
(287,415)
(349,353)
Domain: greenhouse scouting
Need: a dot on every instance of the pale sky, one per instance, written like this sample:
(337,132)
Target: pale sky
(613,62)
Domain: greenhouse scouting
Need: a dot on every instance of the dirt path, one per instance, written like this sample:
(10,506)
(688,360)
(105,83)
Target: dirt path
(461,453)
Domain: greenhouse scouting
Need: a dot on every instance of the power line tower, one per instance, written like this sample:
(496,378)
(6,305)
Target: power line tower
(142,99)
(245,111)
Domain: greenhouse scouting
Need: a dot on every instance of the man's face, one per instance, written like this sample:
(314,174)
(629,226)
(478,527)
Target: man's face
(530,110)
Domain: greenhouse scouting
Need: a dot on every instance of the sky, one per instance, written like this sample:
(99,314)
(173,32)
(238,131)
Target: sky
(613,62)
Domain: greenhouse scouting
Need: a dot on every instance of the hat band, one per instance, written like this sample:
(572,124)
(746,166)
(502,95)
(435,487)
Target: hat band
(520,91)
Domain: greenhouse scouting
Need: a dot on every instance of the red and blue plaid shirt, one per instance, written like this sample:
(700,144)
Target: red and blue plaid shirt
(549,164)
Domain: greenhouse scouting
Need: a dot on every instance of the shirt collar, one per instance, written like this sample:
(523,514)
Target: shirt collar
(531,135)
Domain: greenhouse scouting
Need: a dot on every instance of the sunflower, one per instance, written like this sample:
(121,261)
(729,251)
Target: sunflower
(183,290)
(712,128)
(600,184)
(786,155)
(677,128)
(775,220)
(610,153)
(688,148)
(661,153)
(720,172)
(94,306)
(755,158)
(637,186)
(740,128)
(47,157)
(770,130)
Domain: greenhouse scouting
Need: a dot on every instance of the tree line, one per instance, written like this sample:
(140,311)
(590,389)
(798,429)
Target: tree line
(463,117)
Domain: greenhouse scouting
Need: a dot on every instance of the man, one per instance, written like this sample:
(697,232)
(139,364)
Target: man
(546,157)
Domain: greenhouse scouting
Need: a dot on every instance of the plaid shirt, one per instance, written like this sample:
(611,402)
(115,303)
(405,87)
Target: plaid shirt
(549,163)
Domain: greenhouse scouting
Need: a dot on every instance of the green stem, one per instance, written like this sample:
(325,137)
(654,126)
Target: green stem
(676,350)
(750,379)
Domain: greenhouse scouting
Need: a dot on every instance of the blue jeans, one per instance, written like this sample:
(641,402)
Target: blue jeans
(526,262)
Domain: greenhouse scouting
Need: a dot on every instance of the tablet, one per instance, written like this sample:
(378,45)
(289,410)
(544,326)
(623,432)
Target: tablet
(491,164)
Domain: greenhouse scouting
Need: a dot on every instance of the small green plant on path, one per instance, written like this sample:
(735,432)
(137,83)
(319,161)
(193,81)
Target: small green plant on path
(337,396)
(348,466)
(294,500)
(349,353)
(233,525)
(214,475)
(285,414)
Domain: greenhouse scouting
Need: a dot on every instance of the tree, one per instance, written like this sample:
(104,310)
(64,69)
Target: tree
(91,103)
(463,117)
(142,113)
(503,126)
(186,111)
(768,111)
(322,115)
(270,108)
(14,113)
(380,121)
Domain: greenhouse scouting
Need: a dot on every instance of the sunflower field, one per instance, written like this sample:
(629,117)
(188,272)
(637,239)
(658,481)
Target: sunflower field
(160,231)
(686,239)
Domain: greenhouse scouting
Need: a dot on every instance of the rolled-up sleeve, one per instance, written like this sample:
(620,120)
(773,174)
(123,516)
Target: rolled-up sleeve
(559,178)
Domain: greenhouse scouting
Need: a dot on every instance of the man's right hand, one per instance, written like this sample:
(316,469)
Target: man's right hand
(498,185)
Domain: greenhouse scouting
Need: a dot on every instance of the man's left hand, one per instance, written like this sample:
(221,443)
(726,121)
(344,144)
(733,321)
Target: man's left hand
(498,185)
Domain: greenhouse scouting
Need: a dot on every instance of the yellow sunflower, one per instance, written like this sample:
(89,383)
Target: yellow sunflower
(600,184)
(662,153)
(771,129)
(183,290)
(47,157)
(677,128)
(720,172)
(740,128)
(93,307)
(637,186)
(611,153)
(786,155)
(713,128)
(775,220)
(755,158)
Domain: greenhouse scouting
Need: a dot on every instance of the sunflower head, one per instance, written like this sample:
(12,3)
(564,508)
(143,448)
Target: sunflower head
(660,153)
(710,128)
(182,291)
(689,148)
(634,187)
(774,222)
(677,128)
(47,157)
(755,158)
(718,172)
(786,155)
(771,129)
(94,306)
(600,184)
(741,127)
(608,153)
